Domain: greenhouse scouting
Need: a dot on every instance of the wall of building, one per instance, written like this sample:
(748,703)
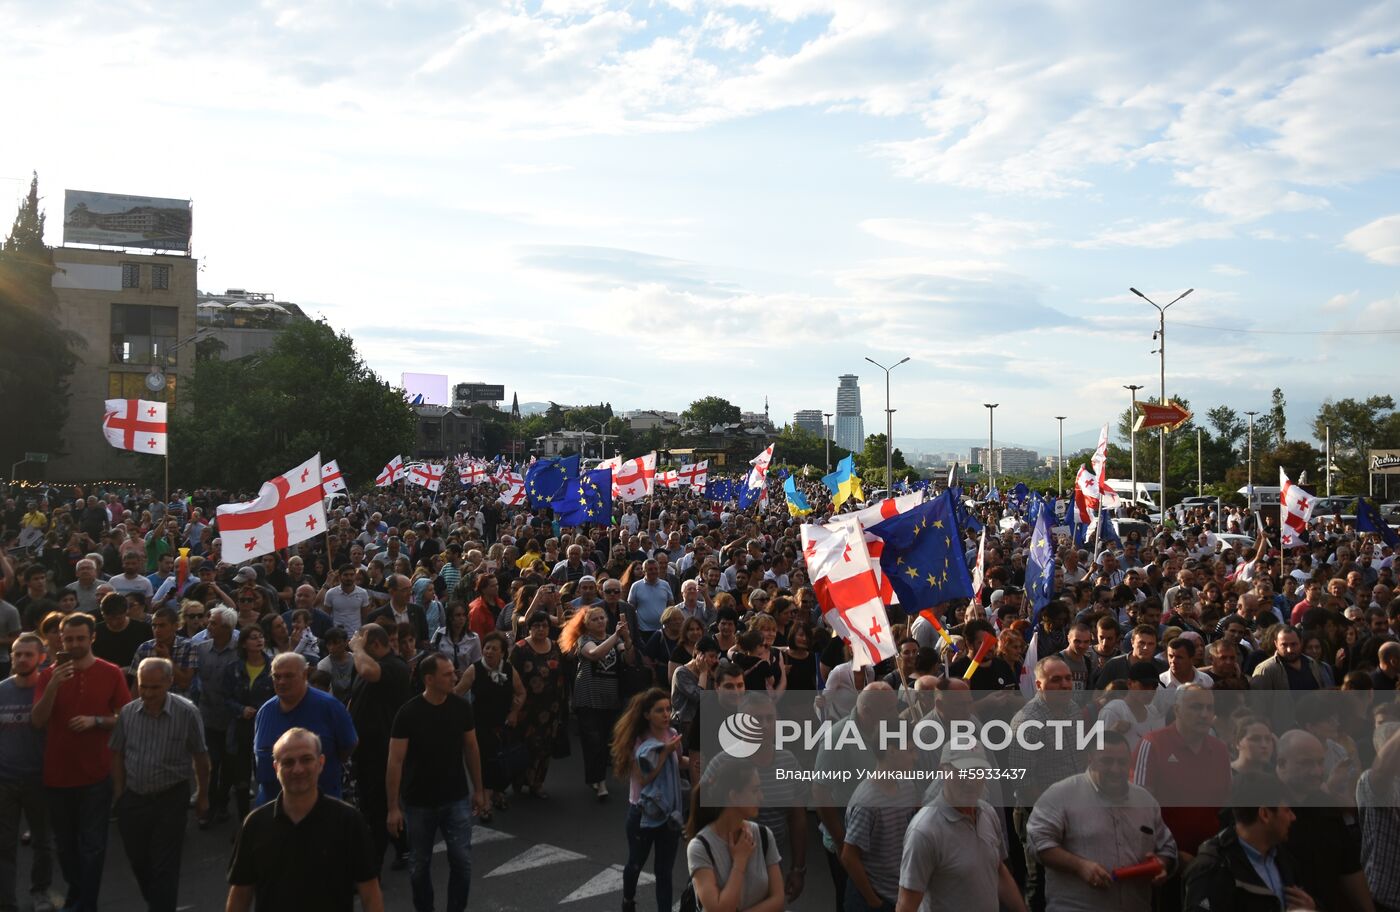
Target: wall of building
(87,284)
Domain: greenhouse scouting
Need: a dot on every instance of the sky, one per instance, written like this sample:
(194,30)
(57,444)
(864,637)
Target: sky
(643,203)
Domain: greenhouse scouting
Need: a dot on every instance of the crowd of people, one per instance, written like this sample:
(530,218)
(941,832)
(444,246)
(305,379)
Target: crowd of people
(345,704)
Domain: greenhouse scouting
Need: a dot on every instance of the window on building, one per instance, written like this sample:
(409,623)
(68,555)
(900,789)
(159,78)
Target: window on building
(160,277)
(131,275)
(144,335)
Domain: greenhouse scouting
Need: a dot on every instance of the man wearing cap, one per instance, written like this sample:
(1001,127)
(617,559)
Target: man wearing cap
(955,849)
(587,590)
(1086,826)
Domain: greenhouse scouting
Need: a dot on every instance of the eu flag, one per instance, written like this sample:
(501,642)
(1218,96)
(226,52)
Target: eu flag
(546,478)
(922,556)
(965,519)
(1040,567)
(1369,519)
(1107,533)
(588,500)
(1019,494)
(748,496)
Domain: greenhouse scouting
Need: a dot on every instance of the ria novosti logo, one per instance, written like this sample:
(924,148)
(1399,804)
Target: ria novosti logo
(741,735)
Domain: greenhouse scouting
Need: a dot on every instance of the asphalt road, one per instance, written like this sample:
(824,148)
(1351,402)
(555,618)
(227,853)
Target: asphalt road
(565,853)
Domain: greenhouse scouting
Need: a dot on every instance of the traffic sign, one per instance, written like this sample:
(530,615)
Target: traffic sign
(36,457)
(974,467)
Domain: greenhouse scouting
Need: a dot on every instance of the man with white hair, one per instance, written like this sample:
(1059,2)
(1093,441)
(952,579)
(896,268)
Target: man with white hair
(298,705)
(153,743)
(86,585)
(693,606)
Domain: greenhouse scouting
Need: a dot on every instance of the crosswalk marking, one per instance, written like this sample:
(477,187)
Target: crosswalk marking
(609,880)
(537,856)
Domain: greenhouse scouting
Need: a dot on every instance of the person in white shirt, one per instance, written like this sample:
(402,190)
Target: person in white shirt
(347,603)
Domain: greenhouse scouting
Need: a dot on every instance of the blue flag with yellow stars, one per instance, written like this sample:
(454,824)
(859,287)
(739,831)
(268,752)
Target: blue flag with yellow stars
(1040,567)
(586,500)
(923,555)
(1369,519)
(965,519)
(546,479)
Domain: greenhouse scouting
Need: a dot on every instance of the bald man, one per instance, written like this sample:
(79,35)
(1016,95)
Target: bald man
(1327,851)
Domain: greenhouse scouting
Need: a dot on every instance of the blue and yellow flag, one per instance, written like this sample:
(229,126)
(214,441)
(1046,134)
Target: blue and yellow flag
(797,504)
(844,483)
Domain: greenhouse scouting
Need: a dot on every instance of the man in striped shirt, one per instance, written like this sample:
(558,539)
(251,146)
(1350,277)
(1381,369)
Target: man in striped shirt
(153,743)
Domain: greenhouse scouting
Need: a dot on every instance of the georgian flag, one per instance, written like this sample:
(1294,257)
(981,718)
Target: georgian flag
(331,479)
(758,476)
(392,472)
(1107,497)
(696,475)
(635,478)
(287,510)
(1297,510)
(1086,495)
(473,473)
(426,475)
(513,494)
(135,424)
(849,593)
(668,479)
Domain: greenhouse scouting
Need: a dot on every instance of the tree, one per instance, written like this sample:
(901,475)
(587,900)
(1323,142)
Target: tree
(1229,427)
(797,447)
(37,356)
(873,456)
(710,411)
(1272,429)
(309,392)
(1295,457)
(1357,425)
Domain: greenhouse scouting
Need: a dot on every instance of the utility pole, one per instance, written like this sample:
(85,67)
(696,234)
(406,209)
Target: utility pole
(1060,458)
(889,425)
(1329,460)
(827,416)
(991,443)
(1132,389)
(1161,337)
(1199,487)
(1250,463)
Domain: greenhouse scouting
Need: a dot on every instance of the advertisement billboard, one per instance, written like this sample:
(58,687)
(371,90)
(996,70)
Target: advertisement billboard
(425,389)
(1385,462)
(119,220)
(468,393)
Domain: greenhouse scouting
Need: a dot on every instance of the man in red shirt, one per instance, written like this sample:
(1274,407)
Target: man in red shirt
(78,700)
(1187,769)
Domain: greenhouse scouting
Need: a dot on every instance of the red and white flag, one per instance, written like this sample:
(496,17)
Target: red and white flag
(331,479)
(979,572)
(1086,496)
(1107,498)
(392,472)
(758,475)
(668,479)
(1297,510)
(697,475)
(513,494)
(287,510)
(473,473)
(844,580)
(135,424)
(874,544)
(426,475)
(635,478)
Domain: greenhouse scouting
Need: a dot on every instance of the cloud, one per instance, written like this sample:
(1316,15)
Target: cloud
(1340,301)
(1160,234)
(608,268)
(1377,241)
(982,234)
(1225,269)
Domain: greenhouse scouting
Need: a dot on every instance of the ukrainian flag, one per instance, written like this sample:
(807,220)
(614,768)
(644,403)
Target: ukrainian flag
(797,504)
(844,483)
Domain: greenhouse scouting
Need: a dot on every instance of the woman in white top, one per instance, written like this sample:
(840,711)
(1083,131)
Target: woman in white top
(733,861)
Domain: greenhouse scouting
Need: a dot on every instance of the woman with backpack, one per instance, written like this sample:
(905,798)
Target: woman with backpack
(733,861)
(646,752)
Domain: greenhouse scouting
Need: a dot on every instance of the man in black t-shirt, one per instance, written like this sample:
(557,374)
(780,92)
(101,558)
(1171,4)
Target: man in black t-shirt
(382,684)
(118,636)
(432,751)
(303,850)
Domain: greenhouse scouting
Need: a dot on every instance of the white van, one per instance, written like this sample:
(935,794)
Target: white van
(1264,496)
(1144,496)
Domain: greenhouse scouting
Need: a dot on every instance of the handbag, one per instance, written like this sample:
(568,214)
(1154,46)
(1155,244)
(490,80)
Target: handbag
(511,761)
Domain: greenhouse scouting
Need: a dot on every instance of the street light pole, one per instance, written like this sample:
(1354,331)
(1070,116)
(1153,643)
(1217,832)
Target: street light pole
(1132,389)
(1329,460)
(1060,458)
(1161,337)
(1250,462)
(1199,486)
(991,442)
(889,425)
(827,416)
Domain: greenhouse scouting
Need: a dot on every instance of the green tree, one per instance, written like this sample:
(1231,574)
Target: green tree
(1271,430)
(873,456)
(1229,427)
(309,392)
(1357,425)
(1295,457)
(711,410)
(37,356)
(798,447)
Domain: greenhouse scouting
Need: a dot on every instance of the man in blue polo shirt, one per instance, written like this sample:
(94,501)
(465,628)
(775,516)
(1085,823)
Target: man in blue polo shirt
(649,597)
(298,705)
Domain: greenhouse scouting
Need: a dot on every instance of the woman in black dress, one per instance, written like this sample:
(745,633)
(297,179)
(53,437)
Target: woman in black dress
(497,698)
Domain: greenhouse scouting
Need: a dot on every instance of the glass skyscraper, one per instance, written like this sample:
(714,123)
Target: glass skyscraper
(850,427)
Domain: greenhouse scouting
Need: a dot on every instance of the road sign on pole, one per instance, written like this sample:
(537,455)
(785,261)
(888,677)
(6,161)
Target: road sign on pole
(36,457)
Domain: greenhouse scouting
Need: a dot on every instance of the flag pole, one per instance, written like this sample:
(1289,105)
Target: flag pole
(167,476)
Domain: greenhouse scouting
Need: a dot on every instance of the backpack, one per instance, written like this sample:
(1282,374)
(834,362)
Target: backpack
(689,902)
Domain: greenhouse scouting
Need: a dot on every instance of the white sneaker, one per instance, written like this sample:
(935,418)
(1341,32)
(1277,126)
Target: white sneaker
(602,790)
